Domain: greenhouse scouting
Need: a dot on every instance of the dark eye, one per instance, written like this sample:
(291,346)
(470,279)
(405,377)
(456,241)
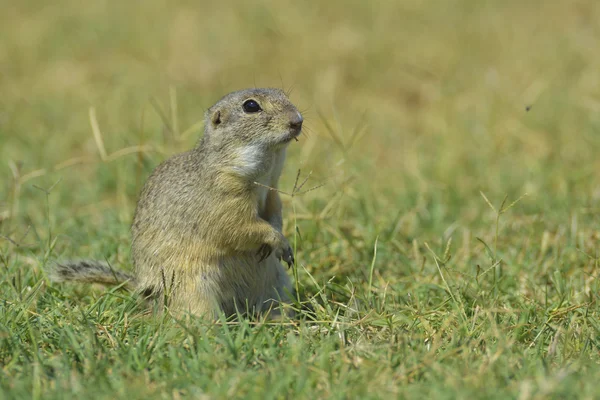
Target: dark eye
(251,106)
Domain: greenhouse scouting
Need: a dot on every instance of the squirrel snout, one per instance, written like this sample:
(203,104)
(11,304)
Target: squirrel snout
(296,120)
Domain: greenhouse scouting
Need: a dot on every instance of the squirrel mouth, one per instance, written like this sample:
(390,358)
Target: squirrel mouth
(292,135)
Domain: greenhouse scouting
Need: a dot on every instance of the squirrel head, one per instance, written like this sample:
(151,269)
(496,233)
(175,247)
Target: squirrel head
(253,117)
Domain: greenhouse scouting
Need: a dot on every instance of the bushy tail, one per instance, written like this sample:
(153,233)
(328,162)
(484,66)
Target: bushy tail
(90,271)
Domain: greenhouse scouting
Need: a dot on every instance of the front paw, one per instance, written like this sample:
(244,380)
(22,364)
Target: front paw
(263,252)
(284,251)
(280,247)
(287,256)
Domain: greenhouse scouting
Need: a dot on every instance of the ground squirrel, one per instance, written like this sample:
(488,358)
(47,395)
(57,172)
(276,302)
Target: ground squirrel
(207,228)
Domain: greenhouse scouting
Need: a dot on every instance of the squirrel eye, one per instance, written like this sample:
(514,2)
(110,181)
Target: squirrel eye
(251,106)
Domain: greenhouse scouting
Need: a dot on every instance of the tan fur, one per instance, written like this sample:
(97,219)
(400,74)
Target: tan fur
(203,221)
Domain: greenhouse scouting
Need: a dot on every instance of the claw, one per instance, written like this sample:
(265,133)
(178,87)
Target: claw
(290,261)
(289,258)
(264,251)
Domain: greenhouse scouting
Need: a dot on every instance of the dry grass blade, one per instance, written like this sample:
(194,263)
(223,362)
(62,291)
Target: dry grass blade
(162,115)
(97,133)
(488,202)
(329,129)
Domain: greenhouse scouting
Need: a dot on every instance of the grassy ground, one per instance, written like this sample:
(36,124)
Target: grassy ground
(425,120)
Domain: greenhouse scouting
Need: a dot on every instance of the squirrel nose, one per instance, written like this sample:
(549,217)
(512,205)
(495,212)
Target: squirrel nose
(296,120)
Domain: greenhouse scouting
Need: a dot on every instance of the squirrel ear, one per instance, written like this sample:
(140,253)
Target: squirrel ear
(216,118)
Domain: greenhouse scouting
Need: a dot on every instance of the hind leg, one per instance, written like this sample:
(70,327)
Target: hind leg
(279,293)
(193,292)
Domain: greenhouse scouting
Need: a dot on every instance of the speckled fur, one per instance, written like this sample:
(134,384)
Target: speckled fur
(201,218)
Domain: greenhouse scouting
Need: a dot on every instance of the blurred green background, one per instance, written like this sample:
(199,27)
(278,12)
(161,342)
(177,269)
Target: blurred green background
(412,109)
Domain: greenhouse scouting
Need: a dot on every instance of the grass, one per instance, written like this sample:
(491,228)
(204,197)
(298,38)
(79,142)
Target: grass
(452,251)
